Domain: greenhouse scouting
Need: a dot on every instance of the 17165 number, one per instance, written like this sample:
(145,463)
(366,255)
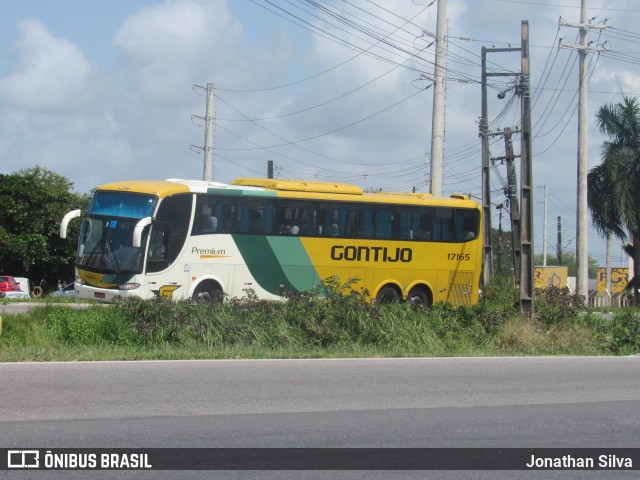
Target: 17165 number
(459,257)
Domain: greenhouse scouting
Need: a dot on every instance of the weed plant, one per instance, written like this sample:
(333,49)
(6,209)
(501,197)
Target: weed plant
(333,320)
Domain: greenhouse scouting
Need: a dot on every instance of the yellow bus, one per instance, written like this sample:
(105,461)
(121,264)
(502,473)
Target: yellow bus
(186,239)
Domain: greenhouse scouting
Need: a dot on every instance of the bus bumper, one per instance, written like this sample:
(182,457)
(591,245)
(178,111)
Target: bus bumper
(107,295)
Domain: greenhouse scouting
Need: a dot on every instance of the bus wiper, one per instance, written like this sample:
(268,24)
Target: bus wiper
(107,245)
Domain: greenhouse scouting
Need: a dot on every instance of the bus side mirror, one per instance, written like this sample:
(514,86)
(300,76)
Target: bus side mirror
(65,221)
(137,231)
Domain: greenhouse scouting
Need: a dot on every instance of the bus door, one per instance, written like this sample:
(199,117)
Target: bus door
(166,274)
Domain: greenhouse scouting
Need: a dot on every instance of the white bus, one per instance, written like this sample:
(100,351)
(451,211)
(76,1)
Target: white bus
(185,239)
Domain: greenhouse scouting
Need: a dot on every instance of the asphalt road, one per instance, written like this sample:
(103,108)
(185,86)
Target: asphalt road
(443,402)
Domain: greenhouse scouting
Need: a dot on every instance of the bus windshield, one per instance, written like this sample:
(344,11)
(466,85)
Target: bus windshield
(106,246)
(118,204)
(106,238)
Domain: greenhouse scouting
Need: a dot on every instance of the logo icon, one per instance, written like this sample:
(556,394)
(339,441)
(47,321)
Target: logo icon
(23,459)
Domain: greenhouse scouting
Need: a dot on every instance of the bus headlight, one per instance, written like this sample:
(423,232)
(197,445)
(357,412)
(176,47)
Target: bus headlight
(128,286)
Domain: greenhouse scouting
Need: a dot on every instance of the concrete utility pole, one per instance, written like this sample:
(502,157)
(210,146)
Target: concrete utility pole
(559,242)
(437,118)
(526,180)
(514,205)
(608,270)
(511,192)
(270,169)
(544,229)
(487,264)
(582,255)
(207,173)
(486,180)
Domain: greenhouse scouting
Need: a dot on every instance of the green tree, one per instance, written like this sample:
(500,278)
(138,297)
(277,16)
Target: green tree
(33,202)
(613,192)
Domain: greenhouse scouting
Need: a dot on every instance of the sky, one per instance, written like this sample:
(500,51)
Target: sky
(334,90)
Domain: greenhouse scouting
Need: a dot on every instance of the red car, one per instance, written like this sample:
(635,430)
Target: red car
(8,284)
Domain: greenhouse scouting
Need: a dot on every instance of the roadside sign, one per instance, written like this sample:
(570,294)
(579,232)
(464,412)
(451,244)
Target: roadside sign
(545,277)
(619,279)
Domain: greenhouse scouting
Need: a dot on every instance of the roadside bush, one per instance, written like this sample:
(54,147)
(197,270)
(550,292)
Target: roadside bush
(333,313)
(158,321)
(497,304)
(93,326)
(555,305)
(621,335)
(249,321)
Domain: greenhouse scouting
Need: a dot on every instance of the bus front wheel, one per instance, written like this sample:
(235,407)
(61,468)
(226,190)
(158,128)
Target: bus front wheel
(208,292)
(387,295)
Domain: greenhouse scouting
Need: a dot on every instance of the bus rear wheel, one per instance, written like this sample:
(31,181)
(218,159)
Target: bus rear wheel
(209,292)
(387,295)
(418,297)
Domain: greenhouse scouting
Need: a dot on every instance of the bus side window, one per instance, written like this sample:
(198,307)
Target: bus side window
(158,248)
(466,225)
(349,222)
(298,217)
(365,222)
(411,224)
(425,228)
(255,225)
(225,212)
(256,216)
(209,224)
(443,231)
(213,214)
(384,223)
(158,245)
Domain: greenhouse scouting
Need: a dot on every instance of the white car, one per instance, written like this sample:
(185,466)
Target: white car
(68,291)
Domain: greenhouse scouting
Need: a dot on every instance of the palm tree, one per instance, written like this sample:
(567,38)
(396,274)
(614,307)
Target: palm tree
(613,192)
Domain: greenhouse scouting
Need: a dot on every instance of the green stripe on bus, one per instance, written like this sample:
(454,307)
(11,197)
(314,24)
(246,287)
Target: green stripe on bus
(277,261)
(240,193)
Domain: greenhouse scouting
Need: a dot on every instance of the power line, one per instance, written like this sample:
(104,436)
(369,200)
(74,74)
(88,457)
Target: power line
(331,131)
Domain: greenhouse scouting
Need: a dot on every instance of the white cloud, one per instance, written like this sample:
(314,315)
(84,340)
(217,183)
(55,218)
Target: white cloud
(47,72)
(169,46)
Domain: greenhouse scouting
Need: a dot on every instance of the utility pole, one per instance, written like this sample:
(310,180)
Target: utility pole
(207,171)
(559,242)
(270,169)
(500,207)
(582,255)
(608,270)
(526,180)
(437,118)
(511,192)
(514,206)
(486,180)
(544,229)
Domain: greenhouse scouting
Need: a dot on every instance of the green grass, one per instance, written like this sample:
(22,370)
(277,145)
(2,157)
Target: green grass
(332,323)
